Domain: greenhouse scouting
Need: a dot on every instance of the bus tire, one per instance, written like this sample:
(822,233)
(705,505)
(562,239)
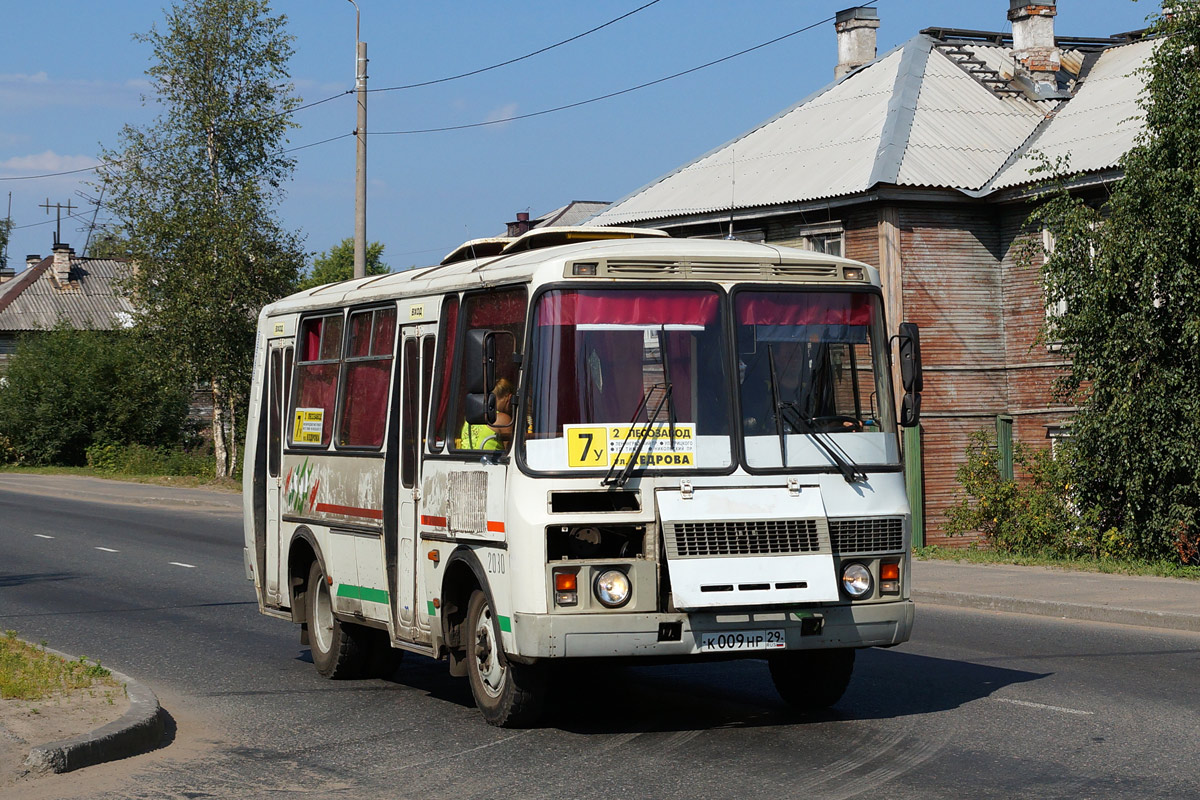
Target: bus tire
(811,680)
(509,695)
(338,651)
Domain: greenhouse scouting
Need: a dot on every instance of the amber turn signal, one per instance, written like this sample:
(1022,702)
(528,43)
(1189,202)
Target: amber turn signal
(889,572)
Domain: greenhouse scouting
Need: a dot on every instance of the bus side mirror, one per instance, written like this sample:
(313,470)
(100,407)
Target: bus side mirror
(910,410)
(910,358)
(479,375)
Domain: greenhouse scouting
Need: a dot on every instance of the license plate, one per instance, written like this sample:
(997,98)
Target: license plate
(740,640)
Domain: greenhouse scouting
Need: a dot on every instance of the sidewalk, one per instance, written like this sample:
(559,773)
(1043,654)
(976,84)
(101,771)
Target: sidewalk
(1171,603)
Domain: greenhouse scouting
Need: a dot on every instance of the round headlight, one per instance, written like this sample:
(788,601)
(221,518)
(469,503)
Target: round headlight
(856,580)
(612,588)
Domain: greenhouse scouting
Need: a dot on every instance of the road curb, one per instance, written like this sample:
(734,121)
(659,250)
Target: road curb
(1051,608)
(138,730)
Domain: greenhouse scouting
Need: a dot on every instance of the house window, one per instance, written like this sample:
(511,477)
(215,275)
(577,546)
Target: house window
(1057,434)
(1057,309)
(828,238)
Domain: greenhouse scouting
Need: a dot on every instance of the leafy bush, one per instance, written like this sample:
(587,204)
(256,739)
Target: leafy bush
(65,390)
(1032,514)
(139,459)
(1129,275)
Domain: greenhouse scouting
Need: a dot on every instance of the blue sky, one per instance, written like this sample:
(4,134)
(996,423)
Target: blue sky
(71,76)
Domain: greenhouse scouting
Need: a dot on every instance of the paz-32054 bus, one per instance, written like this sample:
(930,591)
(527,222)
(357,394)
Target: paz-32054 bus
(585,444)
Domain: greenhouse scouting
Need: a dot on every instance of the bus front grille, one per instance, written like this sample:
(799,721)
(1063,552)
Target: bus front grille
(875,535)
(741,538)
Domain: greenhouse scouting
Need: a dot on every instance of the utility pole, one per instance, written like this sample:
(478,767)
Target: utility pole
(360,170)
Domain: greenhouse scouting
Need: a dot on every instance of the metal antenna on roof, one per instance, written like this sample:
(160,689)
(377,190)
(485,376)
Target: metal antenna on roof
(732,187)
(92,225)
(7,227)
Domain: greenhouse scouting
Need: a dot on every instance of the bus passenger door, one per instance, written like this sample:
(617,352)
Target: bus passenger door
(417,349)
(279,361)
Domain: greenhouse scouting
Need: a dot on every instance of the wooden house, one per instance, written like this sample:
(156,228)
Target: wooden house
(919,162)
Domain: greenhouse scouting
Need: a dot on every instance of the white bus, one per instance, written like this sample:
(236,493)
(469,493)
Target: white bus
(585,444)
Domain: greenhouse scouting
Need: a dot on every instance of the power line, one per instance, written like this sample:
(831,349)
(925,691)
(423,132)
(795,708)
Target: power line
(119,161)
(543,112)
(514,60)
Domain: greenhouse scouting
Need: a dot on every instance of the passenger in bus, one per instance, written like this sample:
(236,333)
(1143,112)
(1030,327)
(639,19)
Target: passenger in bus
(497,436)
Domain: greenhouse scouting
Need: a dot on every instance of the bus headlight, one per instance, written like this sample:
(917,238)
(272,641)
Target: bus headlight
(612,588)
(856,580)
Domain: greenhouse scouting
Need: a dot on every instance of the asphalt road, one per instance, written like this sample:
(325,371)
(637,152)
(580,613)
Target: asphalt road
(978,704)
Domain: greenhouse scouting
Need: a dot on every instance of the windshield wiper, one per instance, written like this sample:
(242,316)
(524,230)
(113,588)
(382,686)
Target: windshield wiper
(666,367)
(850,471)
(625,473)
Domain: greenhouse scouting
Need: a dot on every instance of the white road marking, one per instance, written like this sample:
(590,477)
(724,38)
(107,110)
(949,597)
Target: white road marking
(43,536)
(181,564)
(108,549)
(1044,707)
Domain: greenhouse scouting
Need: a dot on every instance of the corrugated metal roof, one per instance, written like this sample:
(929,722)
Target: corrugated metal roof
(35,301)
(914,118)
(1098,125)
(824,146)
(963,133)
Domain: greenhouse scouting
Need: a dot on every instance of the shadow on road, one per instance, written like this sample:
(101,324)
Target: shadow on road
(7,581)
(887,684)
(598,698)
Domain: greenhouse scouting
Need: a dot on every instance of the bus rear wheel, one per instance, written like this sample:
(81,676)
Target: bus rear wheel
(337,652)
(811,680)
(509,695)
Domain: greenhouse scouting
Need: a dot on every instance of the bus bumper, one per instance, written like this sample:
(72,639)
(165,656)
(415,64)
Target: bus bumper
(681,634)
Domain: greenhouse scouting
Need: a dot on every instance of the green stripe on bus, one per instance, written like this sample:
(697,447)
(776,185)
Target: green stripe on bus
(505,623)
(432,609)
(362,593)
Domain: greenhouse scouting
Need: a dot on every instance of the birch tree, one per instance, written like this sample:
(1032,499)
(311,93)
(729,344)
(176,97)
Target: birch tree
(196,193)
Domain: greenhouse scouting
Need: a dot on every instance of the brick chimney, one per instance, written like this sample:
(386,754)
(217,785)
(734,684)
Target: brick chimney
(1033,39)
(7,274)
(855,38)
(32,260)
(63,253)
(521,225)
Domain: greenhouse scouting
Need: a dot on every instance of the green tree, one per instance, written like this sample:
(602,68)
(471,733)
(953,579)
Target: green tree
(1130,275)
(67,389)
(6,226)
(196,194)
(337,264)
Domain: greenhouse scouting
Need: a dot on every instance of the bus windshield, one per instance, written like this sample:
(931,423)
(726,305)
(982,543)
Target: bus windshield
(813,378)
(607,362)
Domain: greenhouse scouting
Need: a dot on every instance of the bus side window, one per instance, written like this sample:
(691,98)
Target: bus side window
(317,366)
(501,311)
(366,378)
(449,329)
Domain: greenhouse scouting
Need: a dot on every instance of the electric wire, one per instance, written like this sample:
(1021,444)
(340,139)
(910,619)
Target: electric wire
(449,78)
(610,95)
(119,161)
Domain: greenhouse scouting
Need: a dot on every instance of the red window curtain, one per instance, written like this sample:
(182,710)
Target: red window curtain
(810,308)
(628,308)
(366,393)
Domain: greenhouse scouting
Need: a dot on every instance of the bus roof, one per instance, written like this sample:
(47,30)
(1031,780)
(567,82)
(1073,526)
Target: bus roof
(652,256)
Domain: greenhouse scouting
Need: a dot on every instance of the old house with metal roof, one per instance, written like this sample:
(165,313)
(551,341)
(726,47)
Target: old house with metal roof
(62,289)
(918,162)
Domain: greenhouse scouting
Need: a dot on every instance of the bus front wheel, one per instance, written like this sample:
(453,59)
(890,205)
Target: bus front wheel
(811,680)
(509,695)
(336,651)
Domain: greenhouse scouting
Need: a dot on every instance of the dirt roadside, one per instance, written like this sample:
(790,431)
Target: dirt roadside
(25,724)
